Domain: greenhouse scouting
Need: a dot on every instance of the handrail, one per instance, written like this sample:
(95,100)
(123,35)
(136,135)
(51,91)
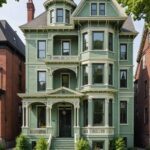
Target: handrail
(49,141)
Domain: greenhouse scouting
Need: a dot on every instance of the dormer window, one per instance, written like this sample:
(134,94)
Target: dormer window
(93,9)
(102,9)
(59,15)
(52,15)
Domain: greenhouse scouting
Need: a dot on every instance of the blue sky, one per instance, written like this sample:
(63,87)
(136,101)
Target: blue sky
(15,13)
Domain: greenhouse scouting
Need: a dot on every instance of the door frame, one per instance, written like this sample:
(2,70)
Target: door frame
(69,107)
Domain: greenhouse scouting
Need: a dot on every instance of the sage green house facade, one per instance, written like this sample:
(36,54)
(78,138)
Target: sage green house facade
(79,74)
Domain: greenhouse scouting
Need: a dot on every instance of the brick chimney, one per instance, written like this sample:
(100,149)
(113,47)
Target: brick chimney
(30,10)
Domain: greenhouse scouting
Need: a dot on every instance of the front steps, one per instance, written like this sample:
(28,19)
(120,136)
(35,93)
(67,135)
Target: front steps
(62,144)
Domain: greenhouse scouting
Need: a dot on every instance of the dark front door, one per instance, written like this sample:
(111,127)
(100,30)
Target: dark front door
(64,122)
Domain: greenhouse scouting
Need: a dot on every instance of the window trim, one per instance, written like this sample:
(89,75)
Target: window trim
(38,80)
(68,76)
(65,40)
(104,9)
(126,51)
(120,112)
(126,79)
(38,50)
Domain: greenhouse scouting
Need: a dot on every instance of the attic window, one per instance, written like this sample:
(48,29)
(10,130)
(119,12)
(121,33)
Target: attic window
(93,9)
(102,9)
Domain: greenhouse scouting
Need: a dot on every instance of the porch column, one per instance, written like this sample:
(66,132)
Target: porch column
(106,112)
(90,74)
(75,116)
(27,116)
(90,112)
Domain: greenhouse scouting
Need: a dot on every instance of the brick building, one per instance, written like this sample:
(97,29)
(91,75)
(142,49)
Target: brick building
(12,71)
(142,103)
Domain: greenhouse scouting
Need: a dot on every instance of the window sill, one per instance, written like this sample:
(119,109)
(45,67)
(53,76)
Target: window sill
(124,124)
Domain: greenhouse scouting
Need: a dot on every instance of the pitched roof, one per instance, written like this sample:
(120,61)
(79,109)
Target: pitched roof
(128,26)
(7,34)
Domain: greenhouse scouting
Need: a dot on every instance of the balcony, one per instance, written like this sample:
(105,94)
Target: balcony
(98,131)
(63,59)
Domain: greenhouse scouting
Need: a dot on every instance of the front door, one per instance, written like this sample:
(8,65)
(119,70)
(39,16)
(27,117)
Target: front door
(65,122)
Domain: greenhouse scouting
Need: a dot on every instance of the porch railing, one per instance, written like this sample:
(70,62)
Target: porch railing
(38,131)
(98,131)
(64,58)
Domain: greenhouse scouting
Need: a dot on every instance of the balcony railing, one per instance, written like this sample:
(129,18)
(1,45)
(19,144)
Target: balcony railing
(58,58)
(98,131)
(38,131)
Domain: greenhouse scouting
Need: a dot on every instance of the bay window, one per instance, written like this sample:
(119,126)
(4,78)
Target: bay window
(110,41)
(67,16)
(85,41)
(85,74)
(59,15)
(110,76)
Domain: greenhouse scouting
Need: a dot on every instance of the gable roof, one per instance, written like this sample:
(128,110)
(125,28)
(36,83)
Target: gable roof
(128,26)
(7,34)
(117,6)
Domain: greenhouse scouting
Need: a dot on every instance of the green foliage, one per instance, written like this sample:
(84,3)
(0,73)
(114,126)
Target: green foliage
(2,147)
(83,144)
(132,148)
(4,1)
(148,148)
(117,144)
(138,8)
(22,143)
(41,144)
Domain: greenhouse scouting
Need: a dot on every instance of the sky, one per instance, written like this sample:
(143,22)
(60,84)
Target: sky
(16,14)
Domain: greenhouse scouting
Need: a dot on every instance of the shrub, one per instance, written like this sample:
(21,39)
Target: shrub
(132,148)
(117,144)
(22,143)
(2,147)
(41,144)
(83,144)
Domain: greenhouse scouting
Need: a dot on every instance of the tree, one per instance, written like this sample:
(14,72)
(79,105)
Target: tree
(138,8)
(22,143)
(4,1)
(41,144)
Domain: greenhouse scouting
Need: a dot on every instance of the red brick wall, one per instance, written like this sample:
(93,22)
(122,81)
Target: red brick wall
(9,103)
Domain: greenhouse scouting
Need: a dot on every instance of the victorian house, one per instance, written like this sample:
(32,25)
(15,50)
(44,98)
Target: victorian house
(12,81)
(79,74)
(142,98)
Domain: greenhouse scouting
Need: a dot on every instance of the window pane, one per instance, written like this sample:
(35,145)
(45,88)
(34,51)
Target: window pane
(85,41)
(41,81)
(67,16)
(123,112)
(85,112)
(85,74)
(101,9)
(60,15)
(65,80)
(110,42)
(52,16)
(98,40)
(41,49)
(98,111)
(123,51)
(93,9)
(41,116)
(65,48)
(123,78)
(110,74)
(98,73)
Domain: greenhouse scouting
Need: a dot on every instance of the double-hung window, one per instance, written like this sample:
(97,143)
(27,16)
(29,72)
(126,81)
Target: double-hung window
(65,80)
(110,41)
(67,16)
(85,74)
(98,111)
(59,15)
(98,73)
(123,112)
(41,79)
(123,51)
(66,47)
(98,40)
(85,41)
(123,78)
(52,14)
(93,9)
(102,9)
(41,49)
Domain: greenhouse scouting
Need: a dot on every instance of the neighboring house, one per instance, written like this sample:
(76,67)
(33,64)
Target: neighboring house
(12,74)
(142,99)
(79,74)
